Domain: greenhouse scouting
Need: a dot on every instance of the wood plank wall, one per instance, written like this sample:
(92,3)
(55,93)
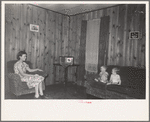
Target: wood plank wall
(59,35)
(43,48)
(123,19)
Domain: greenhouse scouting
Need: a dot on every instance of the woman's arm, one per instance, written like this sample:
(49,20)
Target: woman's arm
(21,72)
(32,70)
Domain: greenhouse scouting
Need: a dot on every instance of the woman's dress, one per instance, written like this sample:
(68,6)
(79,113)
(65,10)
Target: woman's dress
(32,81)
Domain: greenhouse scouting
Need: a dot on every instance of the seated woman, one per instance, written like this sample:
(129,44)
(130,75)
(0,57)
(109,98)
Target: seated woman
(20,68)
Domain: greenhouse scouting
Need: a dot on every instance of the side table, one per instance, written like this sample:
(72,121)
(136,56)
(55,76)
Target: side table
(66,72)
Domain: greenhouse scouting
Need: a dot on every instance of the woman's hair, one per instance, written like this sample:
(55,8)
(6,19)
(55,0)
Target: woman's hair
(116,70)
(20,54)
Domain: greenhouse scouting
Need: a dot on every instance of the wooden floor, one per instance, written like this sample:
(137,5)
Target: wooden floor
(58,92)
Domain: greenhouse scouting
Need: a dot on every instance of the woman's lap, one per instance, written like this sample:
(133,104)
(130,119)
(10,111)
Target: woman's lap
(32,81)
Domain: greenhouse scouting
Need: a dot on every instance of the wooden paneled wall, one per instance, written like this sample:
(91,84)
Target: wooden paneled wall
(123,19)
(61,35)
(44,47)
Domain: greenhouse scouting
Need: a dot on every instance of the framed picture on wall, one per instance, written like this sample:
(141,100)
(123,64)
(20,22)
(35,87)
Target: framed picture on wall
(34,28)
(134,35)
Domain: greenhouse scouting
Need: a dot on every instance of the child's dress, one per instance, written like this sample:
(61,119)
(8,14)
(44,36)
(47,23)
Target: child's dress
(115,79)
(103,76)
(32,81)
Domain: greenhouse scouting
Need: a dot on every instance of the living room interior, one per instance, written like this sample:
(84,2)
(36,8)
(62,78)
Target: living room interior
(91,35)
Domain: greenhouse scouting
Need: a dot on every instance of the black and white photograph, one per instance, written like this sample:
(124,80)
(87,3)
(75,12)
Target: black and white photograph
(60,55)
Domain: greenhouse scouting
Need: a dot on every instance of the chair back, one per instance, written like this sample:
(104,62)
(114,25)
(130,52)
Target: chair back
(10,65)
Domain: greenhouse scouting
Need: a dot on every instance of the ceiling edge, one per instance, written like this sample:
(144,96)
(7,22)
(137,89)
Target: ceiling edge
(78,13)
(96,9)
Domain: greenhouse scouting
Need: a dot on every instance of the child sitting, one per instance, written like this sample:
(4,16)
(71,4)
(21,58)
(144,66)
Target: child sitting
(115,78)
(103,75)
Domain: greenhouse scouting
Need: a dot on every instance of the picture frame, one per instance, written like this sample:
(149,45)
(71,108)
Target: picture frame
(34,28)
(134,35)
(66,60)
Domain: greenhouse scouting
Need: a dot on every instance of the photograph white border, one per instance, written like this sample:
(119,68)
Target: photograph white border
(74,110)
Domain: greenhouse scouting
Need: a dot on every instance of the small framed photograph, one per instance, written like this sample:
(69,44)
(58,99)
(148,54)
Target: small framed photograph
(134,35)
(34,28)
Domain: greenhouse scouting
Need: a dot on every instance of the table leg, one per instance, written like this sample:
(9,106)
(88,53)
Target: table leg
(66,78)
(76,80)
(54,73)
(76,73)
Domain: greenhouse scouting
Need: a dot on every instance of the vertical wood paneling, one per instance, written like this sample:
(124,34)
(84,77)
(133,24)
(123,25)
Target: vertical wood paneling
(125,37)
(59,36)
(39,41)
(128,41)
(40,46)
(56,46)
(119,42)
(123,19)
(69,44)
(8,12)
(113,36)
(7,30)
(109,58)
(142,41)
(13,31)
(74,46)
(47,50)
(17,36)
(52,46)
(21,27)
(42,51)
(12,35)
(136,28)
(23,31)
(132,40)
(60,45)
(29,34)
(117,38)
(67,36)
